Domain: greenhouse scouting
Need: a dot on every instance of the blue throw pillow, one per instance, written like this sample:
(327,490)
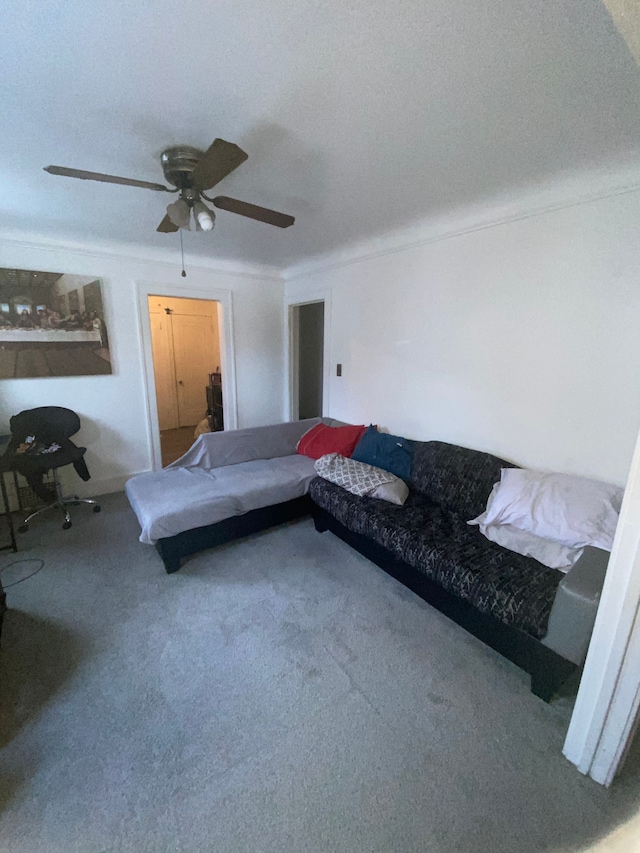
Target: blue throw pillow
(390,452)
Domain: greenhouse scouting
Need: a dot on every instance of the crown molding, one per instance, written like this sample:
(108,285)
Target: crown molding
(578,189)
(494,212)
(134,253)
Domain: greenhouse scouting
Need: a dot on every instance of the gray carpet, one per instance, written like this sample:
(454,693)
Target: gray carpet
(277,694)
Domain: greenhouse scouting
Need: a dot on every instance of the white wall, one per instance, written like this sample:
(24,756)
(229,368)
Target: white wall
(520,338)
(113,408)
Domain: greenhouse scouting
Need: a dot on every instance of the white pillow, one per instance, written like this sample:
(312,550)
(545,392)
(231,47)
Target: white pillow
(545,551)
(574,511)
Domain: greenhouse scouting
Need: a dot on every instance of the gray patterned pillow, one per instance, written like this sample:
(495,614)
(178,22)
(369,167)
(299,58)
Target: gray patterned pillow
(361,479)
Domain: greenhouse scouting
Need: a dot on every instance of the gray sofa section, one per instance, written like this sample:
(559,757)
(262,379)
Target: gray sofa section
(575,606)
(219,449)
(224,474)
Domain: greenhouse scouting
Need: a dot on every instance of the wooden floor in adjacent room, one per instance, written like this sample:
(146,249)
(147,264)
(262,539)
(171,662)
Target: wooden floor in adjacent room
(175,442)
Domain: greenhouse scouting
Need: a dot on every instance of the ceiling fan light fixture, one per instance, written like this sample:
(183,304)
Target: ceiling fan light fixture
(179,213)
(205,217)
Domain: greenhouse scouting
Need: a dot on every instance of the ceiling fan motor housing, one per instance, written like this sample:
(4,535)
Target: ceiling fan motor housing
(178,163)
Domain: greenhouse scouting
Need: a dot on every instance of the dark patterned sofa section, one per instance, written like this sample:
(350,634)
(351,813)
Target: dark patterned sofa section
(501,597)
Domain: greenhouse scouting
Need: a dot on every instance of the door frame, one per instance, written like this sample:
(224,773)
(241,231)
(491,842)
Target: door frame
(224,299)
(606,710)
(291,350)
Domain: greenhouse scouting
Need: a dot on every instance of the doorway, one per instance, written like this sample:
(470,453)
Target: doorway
(185,346)
(307,325)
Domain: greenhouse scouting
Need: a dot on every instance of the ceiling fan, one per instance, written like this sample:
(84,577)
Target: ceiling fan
(192,171)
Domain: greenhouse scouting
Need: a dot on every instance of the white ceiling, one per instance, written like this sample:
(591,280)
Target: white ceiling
(358,115)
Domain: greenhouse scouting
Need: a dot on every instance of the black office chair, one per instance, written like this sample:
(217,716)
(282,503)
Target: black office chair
(40,442)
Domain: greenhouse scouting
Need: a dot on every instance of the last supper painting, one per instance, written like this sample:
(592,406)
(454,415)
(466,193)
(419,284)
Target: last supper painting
(51,324)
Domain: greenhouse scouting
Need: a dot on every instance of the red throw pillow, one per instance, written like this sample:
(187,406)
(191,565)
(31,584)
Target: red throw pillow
(322,439)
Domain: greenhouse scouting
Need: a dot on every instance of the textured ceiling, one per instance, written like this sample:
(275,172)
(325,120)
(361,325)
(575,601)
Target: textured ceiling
(357,117)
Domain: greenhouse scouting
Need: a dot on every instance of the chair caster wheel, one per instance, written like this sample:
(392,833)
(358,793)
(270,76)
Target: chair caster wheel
(66,525)
(96,509)
(23,528)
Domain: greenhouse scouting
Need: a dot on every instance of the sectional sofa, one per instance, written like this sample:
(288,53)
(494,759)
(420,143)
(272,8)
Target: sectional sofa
(537,617)
(235,483)
(229,484)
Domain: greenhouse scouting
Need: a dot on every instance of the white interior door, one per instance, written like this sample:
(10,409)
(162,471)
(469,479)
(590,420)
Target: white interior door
(165,380)
(195,359)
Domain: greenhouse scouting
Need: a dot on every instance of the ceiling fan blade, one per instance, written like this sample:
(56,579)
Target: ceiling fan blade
(167,226)
(107,179)
(219,160)
(262,214)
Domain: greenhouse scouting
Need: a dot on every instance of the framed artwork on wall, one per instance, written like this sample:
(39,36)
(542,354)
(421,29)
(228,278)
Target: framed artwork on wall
(51,324)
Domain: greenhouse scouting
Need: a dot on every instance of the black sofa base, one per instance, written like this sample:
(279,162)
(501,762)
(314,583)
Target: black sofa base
(548,669)
(173,548)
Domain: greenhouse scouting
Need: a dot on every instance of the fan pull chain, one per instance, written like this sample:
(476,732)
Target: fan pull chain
(183,273)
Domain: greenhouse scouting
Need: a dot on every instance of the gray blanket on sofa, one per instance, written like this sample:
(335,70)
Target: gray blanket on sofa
(173,500)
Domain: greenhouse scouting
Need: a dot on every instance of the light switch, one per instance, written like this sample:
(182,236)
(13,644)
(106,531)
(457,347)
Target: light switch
(338,370)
